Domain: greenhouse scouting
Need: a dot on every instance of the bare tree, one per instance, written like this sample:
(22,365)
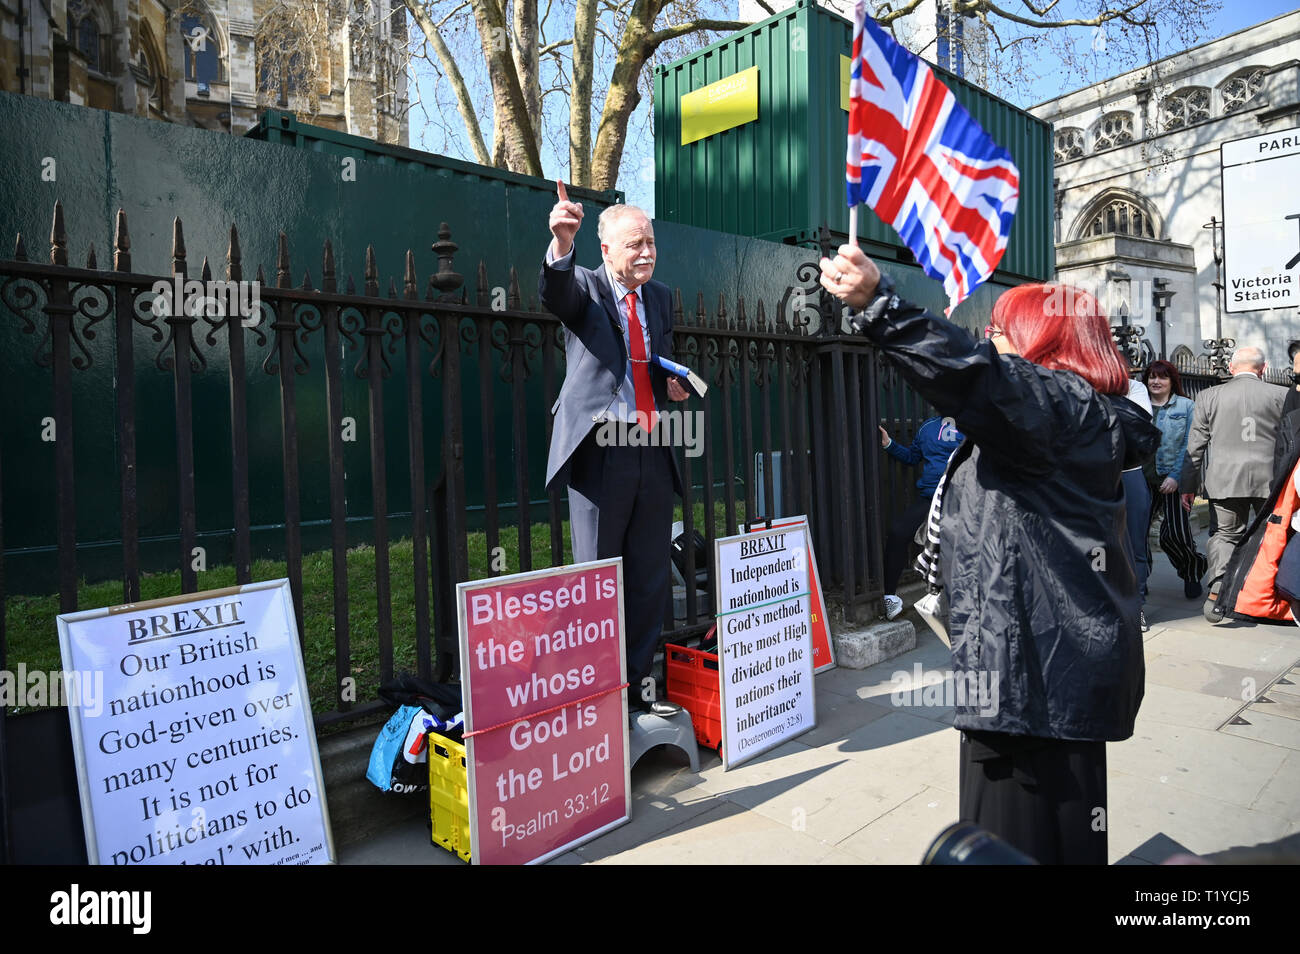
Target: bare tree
(605,47)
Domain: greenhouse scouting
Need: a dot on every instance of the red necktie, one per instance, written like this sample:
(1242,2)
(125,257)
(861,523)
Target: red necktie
(645,396)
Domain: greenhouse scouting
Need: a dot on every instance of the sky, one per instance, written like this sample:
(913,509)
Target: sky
(636,178)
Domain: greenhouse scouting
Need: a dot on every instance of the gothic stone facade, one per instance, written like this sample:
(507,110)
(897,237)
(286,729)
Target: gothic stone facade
(215,63)
(1137,180)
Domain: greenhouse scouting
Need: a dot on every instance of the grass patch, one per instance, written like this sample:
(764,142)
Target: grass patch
(32,630)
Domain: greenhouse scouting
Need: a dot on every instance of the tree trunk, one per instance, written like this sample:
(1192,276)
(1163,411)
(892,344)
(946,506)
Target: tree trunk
(513,139)
(525,50)
(623,96)
(584,41)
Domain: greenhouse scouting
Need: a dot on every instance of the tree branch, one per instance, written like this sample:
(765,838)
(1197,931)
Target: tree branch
(659,37)
(1104,17)
(464,104)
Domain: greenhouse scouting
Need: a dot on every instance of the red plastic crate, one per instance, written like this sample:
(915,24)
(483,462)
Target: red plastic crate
(694,684)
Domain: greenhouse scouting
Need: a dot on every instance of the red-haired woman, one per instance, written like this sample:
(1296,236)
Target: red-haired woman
(1043,598)
(1173,411)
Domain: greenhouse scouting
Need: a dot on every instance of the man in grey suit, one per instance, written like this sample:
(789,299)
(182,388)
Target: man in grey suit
(1233,430)
(620,487)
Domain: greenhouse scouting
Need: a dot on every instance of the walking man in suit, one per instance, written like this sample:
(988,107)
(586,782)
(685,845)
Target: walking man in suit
(620,483)
(1233,430)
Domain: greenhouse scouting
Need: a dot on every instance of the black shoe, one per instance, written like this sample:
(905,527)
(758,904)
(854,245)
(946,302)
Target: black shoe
(1211,610)
(1192,589)
(1142,621)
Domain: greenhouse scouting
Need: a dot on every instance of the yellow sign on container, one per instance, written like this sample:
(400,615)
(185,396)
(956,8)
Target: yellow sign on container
(845,63)
(722,105)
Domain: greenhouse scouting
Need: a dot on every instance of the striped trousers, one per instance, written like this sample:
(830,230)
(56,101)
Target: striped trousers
(1176,538)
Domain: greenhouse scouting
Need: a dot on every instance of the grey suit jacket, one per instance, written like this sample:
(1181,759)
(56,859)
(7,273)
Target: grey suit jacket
(1233,431)
(596,355)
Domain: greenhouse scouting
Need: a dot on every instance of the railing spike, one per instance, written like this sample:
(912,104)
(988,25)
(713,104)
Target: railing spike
(328,282)
(234,258)
(701,316)
(90,257)
(58,237)
(121,244)
(372,273)
(178,247)
(512,296)
(20,250)
(283,279)
(306,280)
(206,272)
(482,299)
(410,289)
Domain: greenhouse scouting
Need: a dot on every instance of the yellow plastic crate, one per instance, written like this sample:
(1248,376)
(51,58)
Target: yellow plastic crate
(449,794)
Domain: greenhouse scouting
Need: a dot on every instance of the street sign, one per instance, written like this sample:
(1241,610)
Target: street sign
(543,674)
(1261,221)
(202,749)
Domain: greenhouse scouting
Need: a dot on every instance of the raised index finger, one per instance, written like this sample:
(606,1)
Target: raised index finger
(564,194)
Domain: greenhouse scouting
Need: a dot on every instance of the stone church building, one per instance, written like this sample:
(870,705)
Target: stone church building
(215,63)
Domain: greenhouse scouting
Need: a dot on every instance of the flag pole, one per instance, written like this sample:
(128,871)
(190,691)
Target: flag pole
(853,225)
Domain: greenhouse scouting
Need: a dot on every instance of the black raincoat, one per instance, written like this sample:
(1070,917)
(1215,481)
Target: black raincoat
(1033,542)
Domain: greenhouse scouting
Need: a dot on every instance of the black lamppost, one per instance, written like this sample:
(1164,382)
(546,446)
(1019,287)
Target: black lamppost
(1161,296)
(1218,348)
(1127,337)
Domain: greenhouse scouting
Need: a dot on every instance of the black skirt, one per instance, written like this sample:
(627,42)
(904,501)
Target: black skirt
(1045,797)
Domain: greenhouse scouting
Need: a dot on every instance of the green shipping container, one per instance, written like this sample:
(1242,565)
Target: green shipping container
(781,176)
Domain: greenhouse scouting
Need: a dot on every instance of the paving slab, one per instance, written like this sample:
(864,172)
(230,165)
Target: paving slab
(1229,649)
(1214,679)
(1279,704)
(1213,764)
(1138,807)
(1281,794)
(902,836)
(727,834)
(1264,727)
(1185,707)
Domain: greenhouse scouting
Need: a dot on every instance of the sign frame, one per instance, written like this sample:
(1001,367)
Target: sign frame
(720,614)
(462,589)
(1232,162)
(814,574)
(66,623)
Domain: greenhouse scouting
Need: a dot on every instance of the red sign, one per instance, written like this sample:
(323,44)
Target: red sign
(542,672)
(823,658)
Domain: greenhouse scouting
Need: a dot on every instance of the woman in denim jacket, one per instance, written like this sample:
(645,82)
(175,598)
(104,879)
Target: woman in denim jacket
(1172,411)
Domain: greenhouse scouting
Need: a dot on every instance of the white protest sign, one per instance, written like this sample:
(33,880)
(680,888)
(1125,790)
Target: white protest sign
(202,750)
(1261,221)
(765,653)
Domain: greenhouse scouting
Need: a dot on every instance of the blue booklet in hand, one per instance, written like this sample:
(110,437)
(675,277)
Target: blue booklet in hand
(693,380)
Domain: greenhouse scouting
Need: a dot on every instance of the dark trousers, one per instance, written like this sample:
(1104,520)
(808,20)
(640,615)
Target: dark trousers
(901,531)
(621,504)
(1137,507)
(1045,797)
(1176,538)
(1229,520)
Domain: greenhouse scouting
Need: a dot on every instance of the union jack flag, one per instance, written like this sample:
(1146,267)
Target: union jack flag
(919,160)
